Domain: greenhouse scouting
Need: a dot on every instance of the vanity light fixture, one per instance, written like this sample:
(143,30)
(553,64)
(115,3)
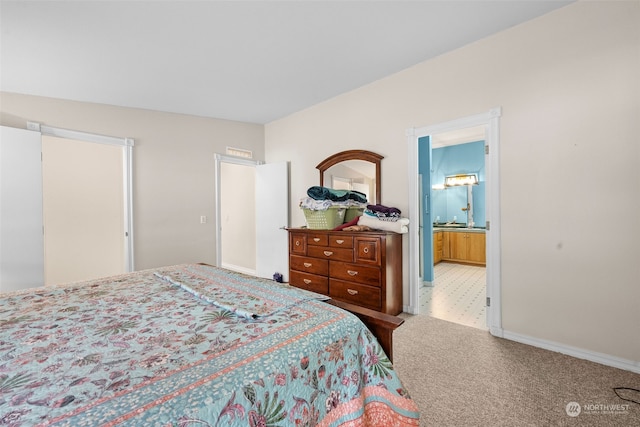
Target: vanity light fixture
(461,179)
(437,187)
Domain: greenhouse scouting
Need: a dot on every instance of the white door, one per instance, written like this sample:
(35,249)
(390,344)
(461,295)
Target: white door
(272,216)
(21,234)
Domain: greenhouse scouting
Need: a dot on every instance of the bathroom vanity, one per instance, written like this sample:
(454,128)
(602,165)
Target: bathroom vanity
(462,245)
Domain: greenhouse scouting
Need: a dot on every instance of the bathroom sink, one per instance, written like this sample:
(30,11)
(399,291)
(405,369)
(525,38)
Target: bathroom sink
(458,227)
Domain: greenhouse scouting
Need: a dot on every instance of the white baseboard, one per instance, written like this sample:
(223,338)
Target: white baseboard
(592,356)
(409,309)
(238,268)
(603,359)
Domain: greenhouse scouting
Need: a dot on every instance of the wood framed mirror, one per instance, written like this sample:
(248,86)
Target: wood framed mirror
(357,170)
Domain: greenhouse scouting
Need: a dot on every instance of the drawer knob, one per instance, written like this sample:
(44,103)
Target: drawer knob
(365,250)
(307,264)
(307,281)
(316,239)
(297,242)
(328,253)
(339,241)
(352,292)
(351,272)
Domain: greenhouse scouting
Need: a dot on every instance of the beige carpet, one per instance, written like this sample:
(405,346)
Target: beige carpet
(463,376)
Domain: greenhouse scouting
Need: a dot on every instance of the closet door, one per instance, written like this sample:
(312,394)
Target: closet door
(21,233)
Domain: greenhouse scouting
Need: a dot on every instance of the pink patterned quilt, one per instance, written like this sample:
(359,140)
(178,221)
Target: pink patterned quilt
(191,345)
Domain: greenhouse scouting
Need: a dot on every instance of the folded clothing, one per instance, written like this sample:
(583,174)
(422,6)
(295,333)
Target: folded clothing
(324,193)
(357,228)
(399,226)
(323,205)
(315,205)
(383,213)
(347,224)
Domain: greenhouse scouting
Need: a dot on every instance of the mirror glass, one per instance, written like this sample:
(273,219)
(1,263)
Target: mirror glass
(355,175)
(355,170)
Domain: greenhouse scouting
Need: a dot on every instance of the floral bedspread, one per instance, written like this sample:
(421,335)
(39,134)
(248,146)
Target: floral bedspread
(191,345)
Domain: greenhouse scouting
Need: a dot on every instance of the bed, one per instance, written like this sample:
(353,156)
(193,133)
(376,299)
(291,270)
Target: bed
(191,345)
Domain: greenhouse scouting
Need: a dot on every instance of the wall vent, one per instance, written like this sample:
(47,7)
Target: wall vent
(239,152)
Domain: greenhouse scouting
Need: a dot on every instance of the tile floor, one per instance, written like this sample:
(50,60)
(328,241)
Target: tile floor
(458,295)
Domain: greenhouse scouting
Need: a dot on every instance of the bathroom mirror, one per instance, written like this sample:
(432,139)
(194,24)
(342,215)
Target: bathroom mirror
(357,170)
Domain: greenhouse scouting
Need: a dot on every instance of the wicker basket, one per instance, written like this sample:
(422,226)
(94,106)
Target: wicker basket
(324,220)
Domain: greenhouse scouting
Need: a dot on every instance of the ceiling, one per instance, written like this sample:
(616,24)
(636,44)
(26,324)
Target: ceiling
(251,61)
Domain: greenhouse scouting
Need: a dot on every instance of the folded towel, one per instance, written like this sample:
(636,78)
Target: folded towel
(324,193)
(384,213)
(399,226)
(382,216)
(378,208)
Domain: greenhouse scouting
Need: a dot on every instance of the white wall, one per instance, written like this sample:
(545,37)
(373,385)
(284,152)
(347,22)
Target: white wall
(173,168)
(238,217)
(569,90)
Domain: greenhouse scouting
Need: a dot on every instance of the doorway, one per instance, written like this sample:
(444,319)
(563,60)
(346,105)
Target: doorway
(454,285)
(83,204)
(490,123)
(236,221)
(252,213)
(72,212)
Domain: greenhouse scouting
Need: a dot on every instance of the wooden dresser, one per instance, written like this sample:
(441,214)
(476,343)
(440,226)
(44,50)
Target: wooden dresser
(361,268)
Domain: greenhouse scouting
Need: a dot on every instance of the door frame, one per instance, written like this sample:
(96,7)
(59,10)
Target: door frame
(127,179)
(491,121)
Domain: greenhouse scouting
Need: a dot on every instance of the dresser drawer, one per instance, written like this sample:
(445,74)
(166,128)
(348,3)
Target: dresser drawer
(326,252)
(365,274)
(310,282)
(298,243)
(309,265)
(362,295)
(318,239)
(341,241)
(367,250)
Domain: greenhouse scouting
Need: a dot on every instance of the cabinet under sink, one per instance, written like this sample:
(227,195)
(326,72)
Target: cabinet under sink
(462,246)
